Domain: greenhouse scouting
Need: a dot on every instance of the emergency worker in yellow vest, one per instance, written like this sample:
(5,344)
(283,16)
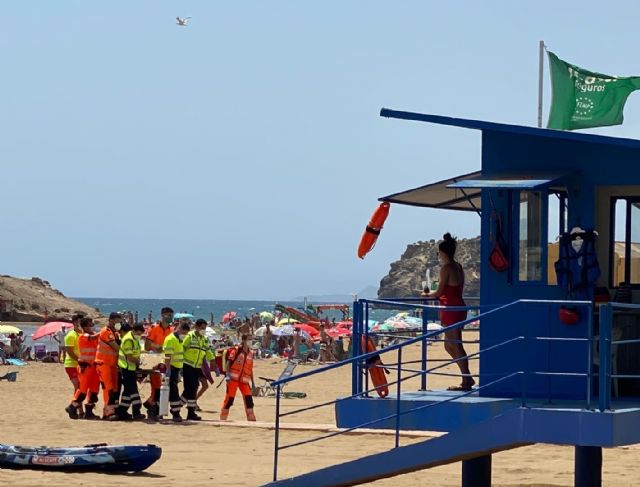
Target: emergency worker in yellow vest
(174,360)
(128,362)
(196,349)
(239,376)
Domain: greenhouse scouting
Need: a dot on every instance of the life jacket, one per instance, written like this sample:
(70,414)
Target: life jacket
(577,268)
(130,346)
(196,349)
(241,368)
(88,345)
(105,354)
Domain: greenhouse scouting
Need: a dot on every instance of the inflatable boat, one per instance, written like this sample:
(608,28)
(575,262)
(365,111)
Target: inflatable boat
(94,458)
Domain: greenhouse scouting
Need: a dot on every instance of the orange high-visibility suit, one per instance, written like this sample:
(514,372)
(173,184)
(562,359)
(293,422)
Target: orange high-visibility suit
(89,383)
(87,373)
(156,334)
(240,377)
(107,367)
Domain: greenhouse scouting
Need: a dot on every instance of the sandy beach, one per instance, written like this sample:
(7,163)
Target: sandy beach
(214,453)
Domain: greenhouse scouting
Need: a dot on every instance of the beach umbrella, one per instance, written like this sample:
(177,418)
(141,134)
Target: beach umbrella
(183,315)
(310,330)
(265,315)
(338,332)
(286,321)
(383,327)
(288,330)
(8,329)
(51,328)
(229,316)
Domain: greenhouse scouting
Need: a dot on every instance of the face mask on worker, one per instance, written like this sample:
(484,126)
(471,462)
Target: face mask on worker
(117,326)
(182,336)
(167,318)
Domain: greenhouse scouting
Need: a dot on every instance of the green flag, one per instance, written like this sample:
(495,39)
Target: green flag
(583,99)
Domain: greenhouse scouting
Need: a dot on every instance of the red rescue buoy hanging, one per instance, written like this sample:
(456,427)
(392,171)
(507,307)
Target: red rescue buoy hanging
(371,232)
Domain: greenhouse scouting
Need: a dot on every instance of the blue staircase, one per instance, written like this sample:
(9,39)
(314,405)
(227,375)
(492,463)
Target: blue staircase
(512,429)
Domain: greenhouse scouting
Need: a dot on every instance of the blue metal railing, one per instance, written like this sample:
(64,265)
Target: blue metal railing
(359,363)
(606,344)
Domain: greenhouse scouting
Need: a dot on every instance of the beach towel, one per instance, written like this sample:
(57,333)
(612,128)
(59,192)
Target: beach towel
(16,361)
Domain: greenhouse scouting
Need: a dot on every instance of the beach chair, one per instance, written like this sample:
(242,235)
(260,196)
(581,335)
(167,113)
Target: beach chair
(267,388)
(9,376)
(303,353)
(40,350)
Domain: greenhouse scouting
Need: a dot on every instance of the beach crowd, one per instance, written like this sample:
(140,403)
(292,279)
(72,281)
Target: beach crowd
(178,355)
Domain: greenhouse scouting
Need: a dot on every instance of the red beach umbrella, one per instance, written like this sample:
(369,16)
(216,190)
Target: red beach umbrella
(51,328)
(229,316)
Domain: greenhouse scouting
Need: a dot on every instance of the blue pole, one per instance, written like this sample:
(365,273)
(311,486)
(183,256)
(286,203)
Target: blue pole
(589,355)
(607,356)
(277,435)
(423,377)
(588,466)
(355,348)
(476,472)
(366,347)
(399,388)
(602,372)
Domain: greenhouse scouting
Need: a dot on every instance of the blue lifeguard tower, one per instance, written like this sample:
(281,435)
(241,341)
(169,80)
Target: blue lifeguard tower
(543,377)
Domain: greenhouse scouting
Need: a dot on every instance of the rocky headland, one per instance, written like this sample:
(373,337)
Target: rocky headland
(30,299)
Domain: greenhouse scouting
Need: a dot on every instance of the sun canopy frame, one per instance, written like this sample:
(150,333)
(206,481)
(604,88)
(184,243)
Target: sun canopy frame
(463,193)
(440,195)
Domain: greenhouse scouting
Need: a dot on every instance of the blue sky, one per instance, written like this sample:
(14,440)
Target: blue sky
(242,156)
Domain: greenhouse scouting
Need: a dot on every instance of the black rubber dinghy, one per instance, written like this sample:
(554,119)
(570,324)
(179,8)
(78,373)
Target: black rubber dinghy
(91,458)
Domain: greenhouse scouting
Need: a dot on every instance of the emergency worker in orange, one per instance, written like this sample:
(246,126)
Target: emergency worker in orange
(87,374)
(154,342)
(107,365)
(239,376)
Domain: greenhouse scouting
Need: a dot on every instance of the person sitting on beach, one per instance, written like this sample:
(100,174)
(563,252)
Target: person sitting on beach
(3,354)
(449,292)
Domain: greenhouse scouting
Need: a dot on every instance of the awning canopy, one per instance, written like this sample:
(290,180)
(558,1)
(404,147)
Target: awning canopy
(507,181)
(463,192)
(440,195)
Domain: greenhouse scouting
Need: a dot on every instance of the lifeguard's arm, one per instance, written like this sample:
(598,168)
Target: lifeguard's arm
(70,351)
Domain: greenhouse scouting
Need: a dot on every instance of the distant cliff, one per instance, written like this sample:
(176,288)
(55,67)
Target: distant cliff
(405,277)
(29,299)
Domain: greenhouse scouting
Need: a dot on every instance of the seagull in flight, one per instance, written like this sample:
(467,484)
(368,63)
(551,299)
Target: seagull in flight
(182,22)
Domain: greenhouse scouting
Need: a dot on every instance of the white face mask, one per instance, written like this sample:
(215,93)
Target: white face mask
(117,326)
(182,337)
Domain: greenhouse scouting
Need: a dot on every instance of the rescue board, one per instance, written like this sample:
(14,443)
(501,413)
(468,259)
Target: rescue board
(376,372)
(91,458)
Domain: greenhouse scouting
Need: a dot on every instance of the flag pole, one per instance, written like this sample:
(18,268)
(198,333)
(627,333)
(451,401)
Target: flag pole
(540,81)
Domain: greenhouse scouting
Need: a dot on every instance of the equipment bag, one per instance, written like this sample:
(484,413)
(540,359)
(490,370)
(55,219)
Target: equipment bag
(499,255)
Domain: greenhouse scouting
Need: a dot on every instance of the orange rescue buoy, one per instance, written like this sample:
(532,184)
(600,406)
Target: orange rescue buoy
(371,232)
(376,372)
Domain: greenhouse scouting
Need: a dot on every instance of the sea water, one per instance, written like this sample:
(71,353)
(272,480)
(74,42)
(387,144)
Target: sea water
(199,308)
